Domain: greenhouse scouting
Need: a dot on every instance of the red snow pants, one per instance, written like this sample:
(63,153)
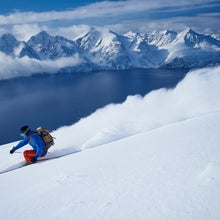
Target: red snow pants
(29,154)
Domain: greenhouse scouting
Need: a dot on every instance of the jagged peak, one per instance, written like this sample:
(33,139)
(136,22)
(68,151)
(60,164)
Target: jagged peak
(188,30)
(40,36)
(93,32)
(105,44)
(186,33)
(43,33)
(8,36)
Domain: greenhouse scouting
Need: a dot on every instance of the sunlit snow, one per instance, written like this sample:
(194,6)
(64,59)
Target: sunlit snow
(153,157)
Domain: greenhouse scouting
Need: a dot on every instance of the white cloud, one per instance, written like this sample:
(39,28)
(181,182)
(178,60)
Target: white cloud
(71,32)
(15,67)
(25,31)
(121,16)
(96,10)
(2,31)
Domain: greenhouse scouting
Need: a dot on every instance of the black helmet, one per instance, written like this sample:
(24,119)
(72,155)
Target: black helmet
(25,129)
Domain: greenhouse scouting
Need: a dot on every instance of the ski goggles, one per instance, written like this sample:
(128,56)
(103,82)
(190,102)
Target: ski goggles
(22,134)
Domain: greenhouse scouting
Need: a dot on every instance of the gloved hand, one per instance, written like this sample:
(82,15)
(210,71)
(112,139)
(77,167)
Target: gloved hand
(12,151)
(33,160)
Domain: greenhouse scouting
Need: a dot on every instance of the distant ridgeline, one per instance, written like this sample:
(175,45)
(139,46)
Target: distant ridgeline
(107,50)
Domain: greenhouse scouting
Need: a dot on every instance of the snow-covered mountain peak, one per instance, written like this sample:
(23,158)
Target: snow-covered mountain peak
(111,36)
(162,38)
(189,37)
(183,33)
(42,35)
(188,30)
(101,49)
(8,38)
(8,43)
(50,47)
(96,40)
(41,38)
(89,40)
(192,39)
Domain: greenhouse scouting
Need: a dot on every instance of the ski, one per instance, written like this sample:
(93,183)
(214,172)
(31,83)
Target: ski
(50,156)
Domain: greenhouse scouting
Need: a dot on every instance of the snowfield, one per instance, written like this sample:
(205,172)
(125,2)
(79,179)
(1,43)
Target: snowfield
(154,157)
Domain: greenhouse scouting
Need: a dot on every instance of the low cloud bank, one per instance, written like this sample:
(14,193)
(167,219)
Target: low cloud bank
(15,67)
(196,95)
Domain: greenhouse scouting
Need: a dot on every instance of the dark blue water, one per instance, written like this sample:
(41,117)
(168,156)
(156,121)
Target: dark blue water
(56,100)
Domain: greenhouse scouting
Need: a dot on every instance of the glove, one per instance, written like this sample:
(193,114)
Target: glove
(33,160)
(12,151)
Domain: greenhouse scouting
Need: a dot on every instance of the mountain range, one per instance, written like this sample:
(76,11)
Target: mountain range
(107,50)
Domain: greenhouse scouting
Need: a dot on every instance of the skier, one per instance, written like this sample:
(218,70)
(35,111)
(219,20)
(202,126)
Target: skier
(37,143)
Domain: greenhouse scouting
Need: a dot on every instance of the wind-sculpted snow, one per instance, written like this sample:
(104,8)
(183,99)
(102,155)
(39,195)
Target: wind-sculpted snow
(195,96)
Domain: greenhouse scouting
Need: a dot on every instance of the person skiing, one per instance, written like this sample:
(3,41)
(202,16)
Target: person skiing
(37,143)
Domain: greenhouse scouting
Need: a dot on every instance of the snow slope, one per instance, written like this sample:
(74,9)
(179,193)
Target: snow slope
(167,169)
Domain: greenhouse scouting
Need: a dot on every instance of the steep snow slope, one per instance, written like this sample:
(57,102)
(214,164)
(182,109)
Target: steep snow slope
(167,173)
(165,166)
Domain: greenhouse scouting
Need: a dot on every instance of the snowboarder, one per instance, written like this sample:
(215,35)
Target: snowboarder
(37,143)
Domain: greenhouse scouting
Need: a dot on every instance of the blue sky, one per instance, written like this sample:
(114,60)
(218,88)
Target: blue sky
(72,18)
(8,6)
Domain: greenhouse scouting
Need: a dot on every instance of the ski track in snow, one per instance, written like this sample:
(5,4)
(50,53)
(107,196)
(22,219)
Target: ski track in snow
(50,155)
(168,169)
(167,173)
(55,154)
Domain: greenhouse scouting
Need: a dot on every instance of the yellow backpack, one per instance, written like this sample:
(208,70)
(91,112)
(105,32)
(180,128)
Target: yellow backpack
(46,136)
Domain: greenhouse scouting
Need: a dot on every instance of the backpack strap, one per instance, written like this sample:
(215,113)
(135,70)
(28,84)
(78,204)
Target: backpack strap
(34,134)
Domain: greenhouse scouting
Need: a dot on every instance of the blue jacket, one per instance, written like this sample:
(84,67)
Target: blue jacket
(35,141)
